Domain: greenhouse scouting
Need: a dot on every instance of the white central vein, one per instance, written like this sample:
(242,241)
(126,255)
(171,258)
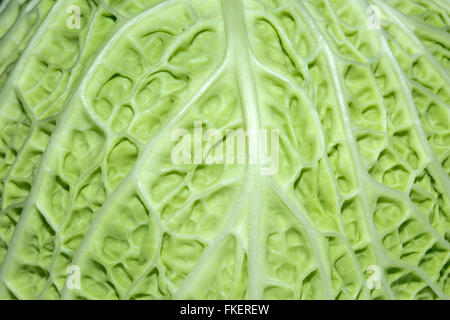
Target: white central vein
(239,47)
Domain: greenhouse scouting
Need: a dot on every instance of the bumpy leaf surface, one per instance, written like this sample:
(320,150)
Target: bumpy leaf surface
(359,91)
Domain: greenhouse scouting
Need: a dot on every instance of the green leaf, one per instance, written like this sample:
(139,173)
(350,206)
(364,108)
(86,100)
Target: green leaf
(96,98)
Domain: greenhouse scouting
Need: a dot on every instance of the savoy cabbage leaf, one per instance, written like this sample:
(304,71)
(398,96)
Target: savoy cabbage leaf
(91,92)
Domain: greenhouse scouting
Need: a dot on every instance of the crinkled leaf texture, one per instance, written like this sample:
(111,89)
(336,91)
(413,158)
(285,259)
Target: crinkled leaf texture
(359,91)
